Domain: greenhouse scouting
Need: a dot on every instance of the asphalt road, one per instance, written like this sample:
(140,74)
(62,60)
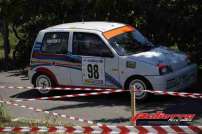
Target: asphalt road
(110,109)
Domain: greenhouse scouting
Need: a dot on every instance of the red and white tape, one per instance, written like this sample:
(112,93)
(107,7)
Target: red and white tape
(50,113)
(71,95)
(180,94)
(109,129)
(59,88)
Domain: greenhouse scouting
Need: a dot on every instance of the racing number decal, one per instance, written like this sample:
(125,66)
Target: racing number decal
(93,71)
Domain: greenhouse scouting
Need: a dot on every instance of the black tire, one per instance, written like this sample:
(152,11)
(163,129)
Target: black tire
(143,84)
(41,81)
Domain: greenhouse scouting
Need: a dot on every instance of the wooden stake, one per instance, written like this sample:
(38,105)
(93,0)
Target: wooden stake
(133,102)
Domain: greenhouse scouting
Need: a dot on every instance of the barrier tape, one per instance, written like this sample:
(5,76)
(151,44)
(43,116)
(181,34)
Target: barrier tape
(59,88)
(180,94)
(50,113)
(109,129)
(71,95)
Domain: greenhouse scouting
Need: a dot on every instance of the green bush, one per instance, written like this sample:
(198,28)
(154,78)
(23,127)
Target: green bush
(165,22)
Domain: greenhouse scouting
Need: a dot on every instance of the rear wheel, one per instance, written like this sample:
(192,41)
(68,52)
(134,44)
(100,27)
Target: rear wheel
(42,82)
(140,84)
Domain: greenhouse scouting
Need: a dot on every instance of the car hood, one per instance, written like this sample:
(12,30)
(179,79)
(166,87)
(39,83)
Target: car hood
(162,55)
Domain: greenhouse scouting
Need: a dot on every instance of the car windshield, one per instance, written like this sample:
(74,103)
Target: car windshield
(129,43)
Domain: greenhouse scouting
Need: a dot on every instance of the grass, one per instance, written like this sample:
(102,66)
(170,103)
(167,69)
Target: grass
(6,120)
(4,115)
(31,122)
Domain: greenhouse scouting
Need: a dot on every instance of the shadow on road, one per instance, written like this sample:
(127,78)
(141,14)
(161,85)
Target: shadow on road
(111,99)
(22,74)
(166,104)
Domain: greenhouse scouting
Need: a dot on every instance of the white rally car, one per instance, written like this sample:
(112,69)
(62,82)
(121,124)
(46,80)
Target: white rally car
(106,55)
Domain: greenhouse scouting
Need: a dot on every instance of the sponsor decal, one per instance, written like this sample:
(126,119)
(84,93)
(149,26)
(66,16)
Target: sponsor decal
(94,82)
(131,64)
(117,31)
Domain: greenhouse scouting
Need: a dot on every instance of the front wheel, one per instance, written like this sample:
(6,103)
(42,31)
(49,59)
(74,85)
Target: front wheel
(42,82)
(140,84)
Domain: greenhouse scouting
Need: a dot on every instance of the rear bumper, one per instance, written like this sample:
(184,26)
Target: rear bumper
(177,80)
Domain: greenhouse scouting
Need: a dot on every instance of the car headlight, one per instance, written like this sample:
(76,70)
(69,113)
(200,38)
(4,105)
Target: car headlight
(164,69)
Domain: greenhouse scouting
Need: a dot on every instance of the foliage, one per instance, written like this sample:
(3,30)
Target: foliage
(170,22)
(165,22)
(4,115)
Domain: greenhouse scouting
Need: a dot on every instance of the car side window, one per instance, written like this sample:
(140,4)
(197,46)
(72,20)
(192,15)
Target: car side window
(55,42)
(88,44)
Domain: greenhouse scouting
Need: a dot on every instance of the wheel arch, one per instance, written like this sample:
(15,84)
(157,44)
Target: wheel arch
(127,82)
(47,72)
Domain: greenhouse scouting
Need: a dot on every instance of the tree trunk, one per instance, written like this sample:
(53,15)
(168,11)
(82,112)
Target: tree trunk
(6,44)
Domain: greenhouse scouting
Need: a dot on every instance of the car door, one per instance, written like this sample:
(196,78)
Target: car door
(99,67)
(54,55)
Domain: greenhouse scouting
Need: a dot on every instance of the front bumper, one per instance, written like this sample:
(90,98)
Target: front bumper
(177,80)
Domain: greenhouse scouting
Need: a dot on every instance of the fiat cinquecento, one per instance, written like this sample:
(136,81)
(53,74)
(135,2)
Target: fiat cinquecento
(106,55)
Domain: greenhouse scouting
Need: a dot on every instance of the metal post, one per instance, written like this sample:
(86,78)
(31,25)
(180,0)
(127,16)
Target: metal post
(133,103)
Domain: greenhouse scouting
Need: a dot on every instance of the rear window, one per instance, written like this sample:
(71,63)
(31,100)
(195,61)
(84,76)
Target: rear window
(55,43)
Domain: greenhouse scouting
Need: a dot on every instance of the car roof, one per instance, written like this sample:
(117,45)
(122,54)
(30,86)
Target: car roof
(93,25)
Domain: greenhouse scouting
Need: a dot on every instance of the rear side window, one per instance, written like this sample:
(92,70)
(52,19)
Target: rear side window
(55,43)
(88,44)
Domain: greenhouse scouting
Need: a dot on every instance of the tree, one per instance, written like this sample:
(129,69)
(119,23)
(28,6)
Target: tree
(4,5)
(165,22)
(8,10)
